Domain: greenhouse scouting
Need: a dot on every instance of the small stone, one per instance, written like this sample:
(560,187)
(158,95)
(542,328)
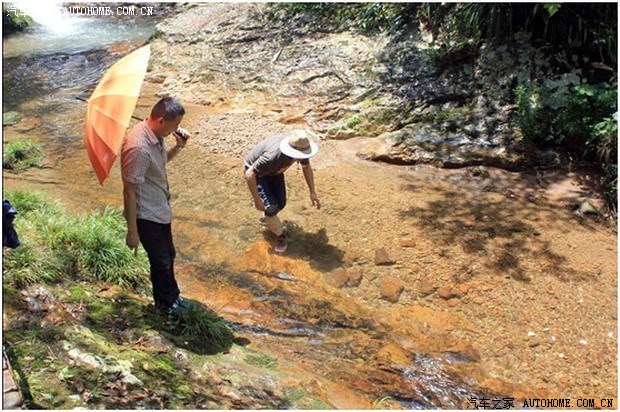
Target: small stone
(355,277)
(351,257)
(338,278)
(285,276)
(7,382)
(407,242)
(534,343)
(382,257)
(391,288)
(447,292)
(427,286)
(587,207)
(531,333)
(583,342)
(11,400)
(480,171)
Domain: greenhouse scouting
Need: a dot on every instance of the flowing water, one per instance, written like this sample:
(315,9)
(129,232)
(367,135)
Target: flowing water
(47,68)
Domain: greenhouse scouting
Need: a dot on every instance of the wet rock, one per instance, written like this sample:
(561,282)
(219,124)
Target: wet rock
(464,352)
(382,257)
(345,277)
(351,257)
(427,286)
(355,277)
(338,278)
(285,276)
(410,242)
(463,276)
(391,288)
(448,292)
(394,354)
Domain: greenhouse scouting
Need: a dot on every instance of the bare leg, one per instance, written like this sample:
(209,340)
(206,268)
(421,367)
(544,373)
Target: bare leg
(274,224)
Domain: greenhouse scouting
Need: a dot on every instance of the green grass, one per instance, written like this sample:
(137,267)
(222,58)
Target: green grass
(200,321)
(352,121)
(260,360)
(21,154)
(300,399)
(57,246)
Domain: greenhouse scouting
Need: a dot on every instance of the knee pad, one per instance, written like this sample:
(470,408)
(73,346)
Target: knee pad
(272,211)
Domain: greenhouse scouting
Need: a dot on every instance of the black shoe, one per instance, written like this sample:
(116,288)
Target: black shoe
(178,307)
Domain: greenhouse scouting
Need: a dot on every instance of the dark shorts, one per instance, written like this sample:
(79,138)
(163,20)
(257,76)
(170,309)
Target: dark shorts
(272,191)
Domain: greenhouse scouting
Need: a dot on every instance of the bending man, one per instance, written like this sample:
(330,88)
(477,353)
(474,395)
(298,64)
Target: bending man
(264,172)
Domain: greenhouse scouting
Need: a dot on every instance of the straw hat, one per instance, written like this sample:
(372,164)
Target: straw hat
(298,145)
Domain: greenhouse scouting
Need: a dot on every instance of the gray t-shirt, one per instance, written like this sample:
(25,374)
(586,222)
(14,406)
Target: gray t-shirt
(143,162)
(266,159)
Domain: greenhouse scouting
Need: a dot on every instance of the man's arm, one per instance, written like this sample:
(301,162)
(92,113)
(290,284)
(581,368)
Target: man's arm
(309,176)
(131,213)
(250,178)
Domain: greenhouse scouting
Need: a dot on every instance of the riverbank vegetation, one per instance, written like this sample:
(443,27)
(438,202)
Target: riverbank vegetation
(572,108)
(57,246)
(71,288)
(13,19)
(21,154)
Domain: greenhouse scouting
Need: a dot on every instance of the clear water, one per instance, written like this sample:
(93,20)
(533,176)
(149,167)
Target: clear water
(69,34)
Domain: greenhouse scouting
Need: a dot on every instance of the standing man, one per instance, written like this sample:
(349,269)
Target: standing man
(264,173)
(146,196)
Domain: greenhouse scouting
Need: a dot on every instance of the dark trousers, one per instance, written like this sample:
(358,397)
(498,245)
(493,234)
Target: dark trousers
(272,190)
(157,241)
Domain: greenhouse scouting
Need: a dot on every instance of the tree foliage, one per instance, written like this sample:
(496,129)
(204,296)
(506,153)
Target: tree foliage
(574,108)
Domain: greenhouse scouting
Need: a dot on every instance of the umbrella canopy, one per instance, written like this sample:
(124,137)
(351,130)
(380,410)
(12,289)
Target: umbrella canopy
(110,108)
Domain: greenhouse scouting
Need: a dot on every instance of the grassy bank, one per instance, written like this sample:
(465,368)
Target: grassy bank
(80,329)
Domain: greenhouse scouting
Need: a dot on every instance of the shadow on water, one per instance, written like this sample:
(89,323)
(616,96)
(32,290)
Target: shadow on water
(313,247)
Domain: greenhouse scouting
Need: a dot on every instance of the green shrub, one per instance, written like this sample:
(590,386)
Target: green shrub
(21,154)
(366,17)
(58,245)
(582,118)
(565,112)
(29,264)
(199,321)
(13,21)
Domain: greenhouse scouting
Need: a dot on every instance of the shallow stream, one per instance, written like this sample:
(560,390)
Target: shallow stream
(45,69)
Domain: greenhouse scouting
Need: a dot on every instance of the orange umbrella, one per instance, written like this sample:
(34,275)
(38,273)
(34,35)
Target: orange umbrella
(110,108)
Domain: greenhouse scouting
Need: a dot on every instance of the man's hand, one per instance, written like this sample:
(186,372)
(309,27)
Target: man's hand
(132,240)
(182,136)
(315,200)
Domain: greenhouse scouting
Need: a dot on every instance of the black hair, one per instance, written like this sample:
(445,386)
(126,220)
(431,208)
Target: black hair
(167,107)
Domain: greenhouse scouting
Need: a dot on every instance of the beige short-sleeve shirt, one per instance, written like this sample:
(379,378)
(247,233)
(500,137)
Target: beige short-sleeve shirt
(143,162)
